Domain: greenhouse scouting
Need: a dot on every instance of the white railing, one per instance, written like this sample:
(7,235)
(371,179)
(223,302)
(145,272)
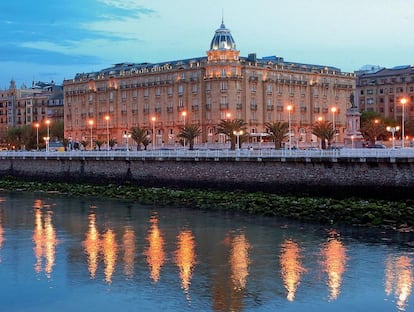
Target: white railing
(218,153)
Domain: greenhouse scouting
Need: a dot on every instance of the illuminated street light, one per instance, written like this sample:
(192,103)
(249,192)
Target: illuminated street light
(107,132)
(393,130)
(153,132)
(289,108)
(403,102)
(37,125)
(127,136)
(48,134)
(238,134)
(184,114)
(333,110)
(91,124)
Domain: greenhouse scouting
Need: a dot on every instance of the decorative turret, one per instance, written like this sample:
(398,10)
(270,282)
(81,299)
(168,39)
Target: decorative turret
(222,40)
(223,58)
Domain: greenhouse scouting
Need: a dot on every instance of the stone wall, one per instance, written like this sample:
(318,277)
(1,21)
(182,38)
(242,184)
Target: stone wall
(350,176)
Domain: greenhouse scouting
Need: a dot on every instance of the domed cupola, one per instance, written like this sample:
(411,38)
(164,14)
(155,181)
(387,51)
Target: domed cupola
(222,40)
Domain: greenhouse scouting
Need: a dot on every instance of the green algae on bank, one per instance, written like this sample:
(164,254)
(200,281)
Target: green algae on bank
(398,215)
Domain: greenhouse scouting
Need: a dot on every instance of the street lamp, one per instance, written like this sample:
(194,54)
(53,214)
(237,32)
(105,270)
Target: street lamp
(91,124)
(228,115)
(393,130)
(127,136)
(184,114)
(153,131)
(352,140)
(403,102)
(37,135)
(289,108)
(238,134)
(107,132)
(47,143)
(333,110)
(48,134)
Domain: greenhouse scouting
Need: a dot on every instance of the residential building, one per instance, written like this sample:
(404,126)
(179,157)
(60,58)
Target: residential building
(28,106)
(163,97)
(381,90)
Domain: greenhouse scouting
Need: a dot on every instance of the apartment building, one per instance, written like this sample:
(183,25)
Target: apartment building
(163,97)
(381,90)
(28,106)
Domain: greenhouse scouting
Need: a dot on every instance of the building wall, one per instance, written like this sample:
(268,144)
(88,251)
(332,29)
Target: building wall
(381,91)
(208,89)
(28,106)
(257,93)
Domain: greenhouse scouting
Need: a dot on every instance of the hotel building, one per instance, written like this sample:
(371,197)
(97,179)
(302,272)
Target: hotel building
(163,97)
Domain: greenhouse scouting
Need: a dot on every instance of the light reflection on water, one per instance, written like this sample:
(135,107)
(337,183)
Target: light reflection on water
(184,260)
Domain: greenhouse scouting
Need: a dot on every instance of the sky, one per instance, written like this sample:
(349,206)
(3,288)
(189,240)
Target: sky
(47,40)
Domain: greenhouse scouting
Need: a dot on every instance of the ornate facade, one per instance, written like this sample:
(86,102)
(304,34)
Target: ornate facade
(163,97)
(29,106)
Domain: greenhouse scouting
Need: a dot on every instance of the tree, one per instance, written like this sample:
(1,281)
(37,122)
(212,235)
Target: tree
(57,130)
(189,133)
(324,131)
(84,144)
(112,143)
(146,142)
(139,135)
(228,127)
(372,129)
(278,131)
(99,143)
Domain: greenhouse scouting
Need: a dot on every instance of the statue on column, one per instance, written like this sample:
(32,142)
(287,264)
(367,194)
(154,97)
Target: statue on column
(353,137)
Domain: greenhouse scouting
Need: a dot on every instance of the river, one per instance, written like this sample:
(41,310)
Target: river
(59,253)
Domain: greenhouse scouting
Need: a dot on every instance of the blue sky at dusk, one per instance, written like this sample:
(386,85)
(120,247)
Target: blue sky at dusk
(53,40)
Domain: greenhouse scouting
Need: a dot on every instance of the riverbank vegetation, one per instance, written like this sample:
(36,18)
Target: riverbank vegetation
(398,215)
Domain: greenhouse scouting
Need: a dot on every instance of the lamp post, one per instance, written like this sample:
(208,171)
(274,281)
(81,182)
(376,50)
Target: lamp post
(393,130)
(352,140)
(107,132)
(37,135)
(184,114)
(403,102)
(91,124)
(153,132)
(333,110)
(238,134)
(289,108)
(48,134)
(127,136)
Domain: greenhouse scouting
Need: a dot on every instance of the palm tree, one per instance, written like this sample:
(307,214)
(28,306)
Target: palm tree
(324,131)
(372,129)
(112,143)
(229,127)
(99,143)
(189,133)
(139,135)
(278,131)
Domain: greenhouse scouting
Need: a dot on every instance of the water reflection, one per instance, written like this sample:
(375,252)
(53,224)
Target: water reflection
(1,231)
(92,245)
(44,238)
(291,267)
(110,254)
(128,241)
(208,263)
(155,251)
(239,261)
(185,257)
(334,263)
(399,279)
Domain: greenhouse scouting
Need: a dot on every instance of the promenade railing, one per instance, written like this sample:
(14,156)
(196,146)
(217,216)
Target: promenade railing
(217,154)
